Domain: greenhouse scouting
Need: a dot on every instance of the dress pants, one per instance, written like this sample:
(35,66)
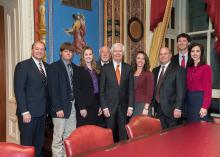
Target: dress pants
(62,129)
(117,122)
(166,121)
(32,134)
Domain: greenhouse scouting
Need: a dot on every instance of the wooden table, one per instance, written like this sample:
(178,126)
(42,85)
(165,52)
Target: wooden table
(192,140)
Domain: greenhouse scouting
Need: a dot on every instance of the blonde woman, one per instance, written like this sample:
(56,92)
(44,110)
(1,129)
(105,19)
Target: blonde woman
(87,100)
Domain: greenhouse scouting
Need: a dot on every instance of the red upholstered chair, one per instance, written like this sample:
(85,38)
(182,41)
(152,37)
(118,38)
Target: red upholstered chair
(15,150)
(216,118)
(142,125)
(86,138)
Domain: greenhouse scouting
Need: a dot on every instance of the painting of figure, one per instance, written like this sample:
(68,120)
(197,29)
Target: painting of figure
(78,30)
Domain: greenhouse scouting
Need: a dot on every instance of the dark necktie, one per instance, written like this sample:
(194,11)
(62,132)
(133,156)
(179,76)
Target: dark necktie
(70,70)
(43,75)
(183,62)
(159,84)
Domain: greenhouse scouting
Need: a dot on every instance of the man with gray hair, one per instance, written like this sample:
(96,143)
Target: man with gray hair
(104,56)
(116,92)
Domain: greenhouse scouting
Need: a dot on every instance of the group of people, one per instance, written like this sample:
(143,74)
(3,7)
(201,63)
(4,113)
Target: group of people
(109,92)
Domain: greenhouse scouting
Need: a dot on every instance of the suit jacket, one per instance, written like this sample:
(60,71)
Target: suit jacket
(85,96)
(175,60)
(144,87)
(30,89)
(60,89)
(113,95)
(99,64)
(172,89)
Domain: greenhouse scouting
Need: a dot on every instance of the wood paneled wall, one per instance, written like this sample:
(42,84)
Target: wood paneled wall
(2,79)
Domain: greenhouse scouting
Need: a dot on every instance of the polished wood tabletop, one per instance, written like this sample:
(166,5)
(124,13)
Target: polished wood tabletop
(192,140)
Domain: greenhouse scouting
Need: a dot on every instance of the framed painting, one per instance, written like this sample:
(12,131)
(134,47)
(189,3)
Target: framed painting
(58,21)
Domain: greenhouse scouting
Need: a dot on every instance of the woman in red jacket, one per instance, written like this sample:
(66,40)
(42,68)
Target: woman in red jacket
(143,83)
(199,85)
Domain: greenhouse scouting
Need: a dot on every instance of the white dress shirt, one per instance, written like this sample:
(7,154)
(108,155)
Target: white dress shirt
(37,63)
(115,66)
(165,68)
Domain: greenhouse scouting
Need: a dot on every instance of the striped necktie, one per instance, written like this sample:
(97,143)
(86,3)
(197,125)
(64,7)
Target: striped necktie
(43,75)
(71,74)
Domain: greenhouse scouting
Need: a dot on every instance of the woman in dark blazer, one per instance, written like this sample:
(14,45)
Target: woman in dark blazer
(87,87)
(143,83)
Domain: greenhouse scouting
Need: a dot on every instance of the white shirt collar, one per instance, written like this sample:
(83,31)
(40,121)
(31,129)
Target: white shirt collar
(180,57)
(165,65)
(102,63)
(37,63)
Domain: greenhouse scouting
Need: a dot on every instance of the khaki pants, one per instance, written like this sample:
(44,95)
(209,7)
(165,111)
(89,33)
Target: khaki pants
(62,129)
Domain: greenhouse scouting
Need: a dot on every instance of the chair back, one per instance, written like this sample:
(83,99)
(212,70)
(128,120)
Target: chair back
(15,150)
(215,117)
(142,125)
(86,138)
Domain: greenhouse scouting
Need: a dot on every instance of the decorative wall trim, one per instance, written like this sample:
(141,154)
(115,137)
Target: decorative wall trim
(50,30)
(26,27)
(113,22)
(9,56)
(13,128)
(125,21)
(101,23)
(148,34)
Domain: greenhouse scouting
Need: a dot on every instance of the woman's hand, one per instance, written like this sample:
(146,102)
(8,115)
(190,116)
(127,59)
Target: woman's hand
(146,109)
(83,113)
(145,112)
(203,112)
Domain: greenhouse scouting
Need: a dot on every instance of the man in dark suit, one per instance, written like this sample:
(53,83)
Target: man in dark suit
(116,92)
(61,76)
(104,57)
(30,88)
(169,89)
(182,58)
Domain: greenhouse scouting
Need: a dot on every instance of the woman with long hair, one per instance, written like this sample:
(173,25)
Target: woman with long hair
(143,83)
(199,85)
(87,86)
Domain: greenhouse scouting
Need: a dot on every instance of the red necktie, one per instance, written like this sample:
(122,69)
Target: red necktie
(183,62)
(118,75)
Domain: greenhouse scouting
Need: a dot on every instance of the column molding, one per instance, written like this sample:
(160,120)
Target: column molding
(26,27)
(19,36)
